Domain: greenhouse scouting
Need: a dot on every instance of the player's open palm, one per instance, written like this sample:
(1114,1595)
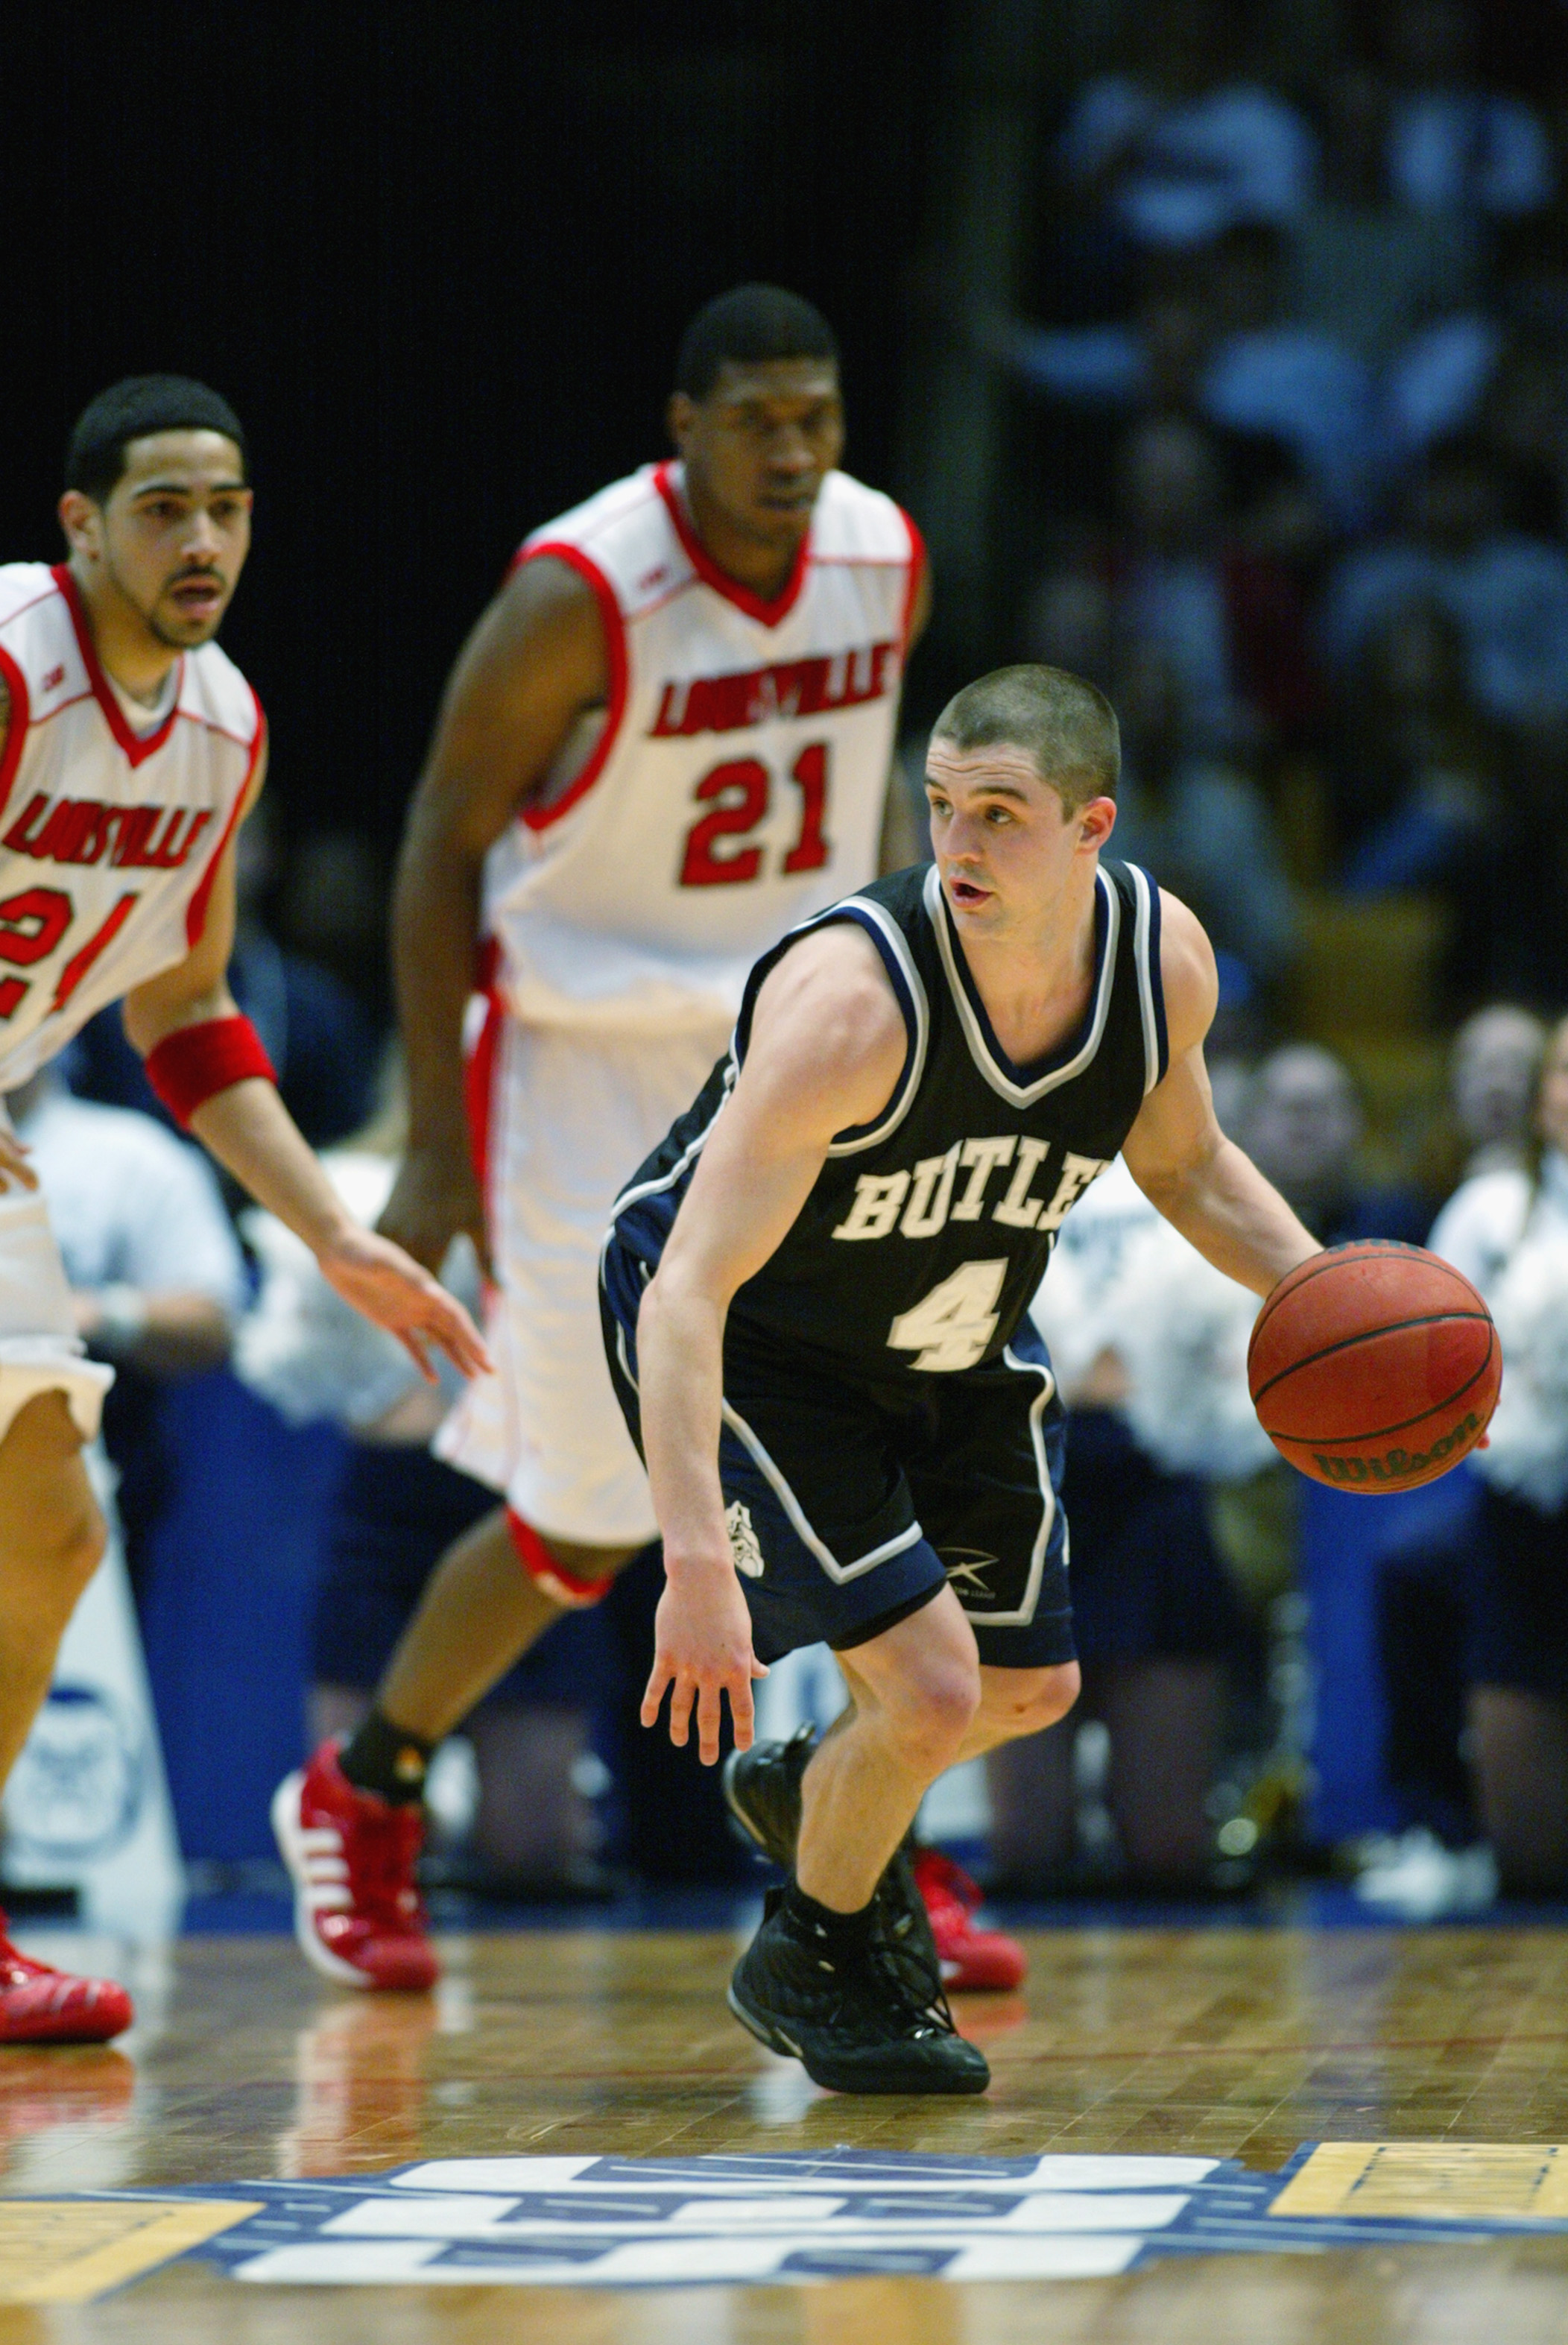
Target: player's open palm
(390,1287)
(435,1198)
(703,1649)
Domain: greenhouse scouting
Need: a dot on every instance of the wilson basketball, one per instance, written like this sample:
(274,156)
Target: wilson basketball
(1375,1367)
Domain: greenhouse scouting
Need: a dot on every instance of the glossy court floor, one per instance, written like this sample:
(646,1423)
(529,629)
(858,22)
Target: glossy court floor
(1227,2041)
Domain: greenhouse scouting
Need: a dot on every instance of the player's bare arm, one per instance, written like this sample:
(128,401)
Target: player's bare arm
(903,839)
(15,1170)
(826,1048)
(1205,1186)
(248,1128)
(920,617)
(534,665)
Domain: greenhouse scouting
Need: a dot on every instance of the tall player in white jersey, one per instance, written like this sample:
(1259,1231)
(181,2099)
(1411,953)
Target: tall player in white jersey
(130,748)
(668,739)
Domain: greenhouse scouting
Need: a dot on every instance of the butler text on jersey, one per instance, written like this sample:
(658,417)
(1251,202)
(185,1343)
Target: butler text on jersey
(917,1204)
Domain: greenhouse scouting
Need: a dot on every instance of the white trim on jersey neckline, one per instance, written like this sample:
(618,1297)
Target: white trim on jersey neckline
(1024,1095)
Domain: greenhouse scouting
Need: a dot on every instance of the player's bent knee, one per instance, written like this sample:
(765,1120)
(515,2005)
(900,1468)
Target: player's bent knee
(55,1556)
(79,1550)
(50,1524)
(929,1713)
(566,1584)
(1042,1698)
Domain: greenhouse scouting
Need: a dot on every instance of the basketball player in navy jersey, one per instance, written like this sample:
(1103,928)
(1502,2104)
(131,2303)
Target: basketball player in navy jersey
(130,751)
(815,1296)
(668,740)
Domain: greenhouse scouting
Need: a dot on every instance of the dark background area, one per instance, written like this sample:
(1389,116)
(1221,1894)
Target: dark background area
(439,259)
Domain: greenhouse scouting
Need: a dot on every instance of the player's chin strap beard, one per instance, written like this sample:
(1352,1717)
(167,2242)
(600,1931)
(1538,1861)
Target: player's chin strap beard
(149,618)
(185,578)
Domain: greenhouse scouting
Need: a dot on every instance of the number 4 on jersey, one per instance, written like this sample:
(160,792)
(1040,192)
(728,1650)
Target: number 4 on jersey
(951,1328)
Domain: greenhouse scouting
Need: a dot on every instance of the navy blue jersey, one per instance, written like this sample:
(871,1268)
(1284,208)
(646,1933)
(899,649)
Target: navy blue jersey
(927,1232)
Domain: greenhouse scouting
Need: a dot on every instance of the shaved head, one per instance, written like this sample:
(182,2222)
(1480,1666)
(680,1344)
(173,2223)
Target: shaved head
(1066,728)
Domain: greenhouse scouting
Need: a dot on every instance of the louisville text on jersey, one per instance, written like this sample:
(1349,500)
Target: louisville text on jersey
(921,1201)
(760,695)
(128,838)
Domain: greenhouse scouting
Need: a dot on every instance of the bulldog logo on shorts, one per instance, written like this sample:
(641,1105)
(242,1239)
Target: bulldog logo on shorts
(743,1544)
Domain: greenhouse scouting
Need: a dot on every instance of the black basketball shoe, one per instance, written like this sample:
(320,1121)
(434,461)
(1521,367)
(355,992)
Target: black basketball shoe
(762,1786)
(855,2026)
(762,1791)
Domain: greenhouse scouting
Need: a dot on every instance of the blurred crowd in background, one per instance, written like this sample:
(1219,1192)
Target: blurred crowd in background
(1291,414)
(1287,427)
(1287,474)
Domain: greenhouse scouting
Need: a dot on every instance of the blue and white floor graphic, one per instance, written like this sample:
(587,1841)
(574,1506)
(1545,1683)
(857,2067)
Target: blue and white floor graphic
(801,2218)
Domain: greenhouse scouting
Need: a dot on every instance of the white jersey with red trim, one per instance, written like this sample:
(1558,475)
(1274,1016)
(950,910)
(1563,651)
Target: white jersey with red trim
(734,783)
(109,842)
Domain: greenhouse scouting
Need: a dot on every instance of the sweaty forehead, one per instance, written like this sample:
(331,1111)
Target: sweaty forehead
(195,457)
(757,381)
(998,763)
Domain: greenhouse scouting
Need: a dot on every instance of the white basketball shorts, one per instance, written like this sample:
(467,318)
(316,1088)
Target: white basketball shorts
(571,1116)
(40,1350)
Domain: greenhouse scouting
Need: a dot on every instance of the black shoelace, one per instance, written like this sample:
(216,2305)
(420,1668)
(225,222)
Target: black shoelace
(930,2017)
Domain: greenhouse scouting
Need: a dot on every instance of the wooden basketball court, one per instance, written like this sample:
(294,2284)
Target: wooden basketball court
(1227,2043)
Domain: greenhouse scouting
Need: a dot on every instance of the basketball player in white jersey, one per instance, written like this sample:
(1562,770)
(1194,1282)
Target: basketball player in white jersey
(668,739)
(130,748)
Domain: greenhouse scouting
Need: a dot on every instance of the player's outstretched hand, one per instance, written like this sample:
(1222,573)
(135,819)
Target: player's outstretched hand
(390,1287)
(16,1173)
(435,1198)
(703,1648)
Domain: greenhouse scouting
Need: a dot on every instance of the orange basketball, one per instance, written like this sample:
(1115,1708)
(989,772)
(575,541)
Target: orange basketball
(1375,1367)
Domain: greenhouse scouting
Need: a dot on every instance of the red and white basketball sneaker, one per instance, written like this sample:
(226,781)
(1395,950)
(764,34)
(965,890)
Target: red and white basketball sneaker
(40,2005)
(970,1958)
(357,1914)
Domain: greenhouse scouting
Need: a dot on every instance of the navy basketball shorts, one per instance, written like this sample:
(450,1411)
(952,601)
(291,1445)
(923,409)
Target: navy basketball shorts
(851,1505)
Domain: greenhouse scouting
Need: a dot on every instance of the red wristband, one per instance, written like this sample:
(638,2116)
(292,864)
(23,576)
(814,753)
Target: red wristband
(193,1063)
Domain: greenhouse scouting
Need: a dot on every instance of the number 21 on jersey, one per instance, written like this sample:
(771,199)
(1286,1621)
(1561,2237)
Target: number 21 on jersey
(32,925)
(738,794)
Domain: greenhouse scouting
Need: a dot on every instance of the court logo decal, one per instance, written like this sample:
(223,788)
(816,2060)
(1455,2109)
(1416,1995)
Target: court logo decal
(796,2217)
(71,2250)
